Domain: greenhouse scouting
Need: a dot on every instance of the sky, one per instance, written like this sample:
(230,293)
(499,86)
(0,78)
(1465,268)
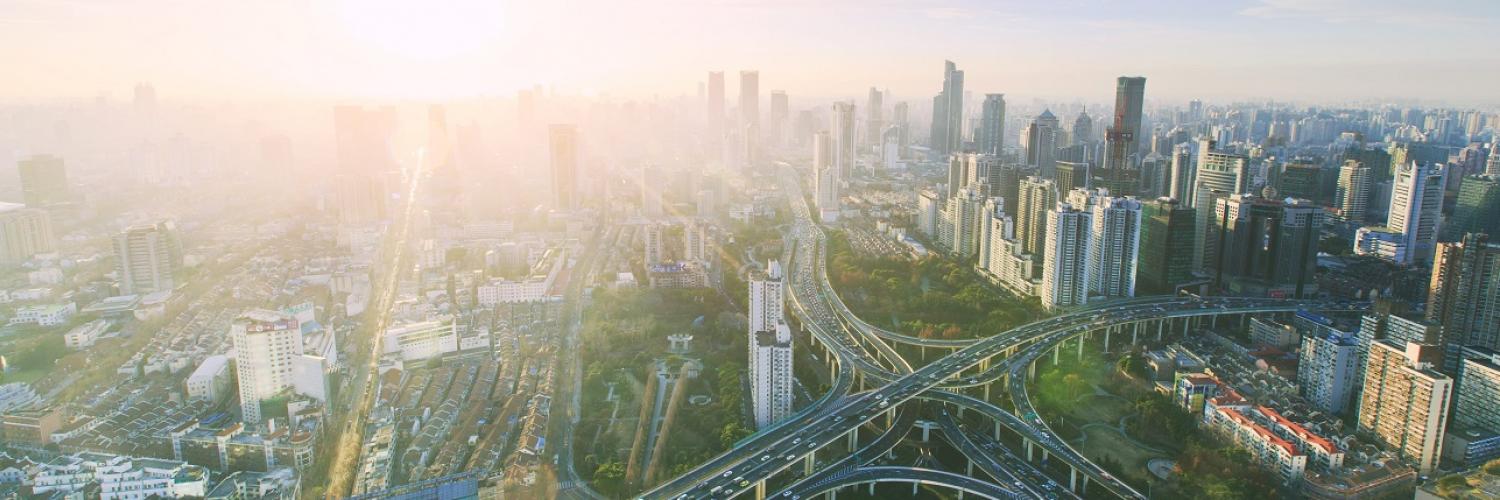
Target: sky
(1438,51)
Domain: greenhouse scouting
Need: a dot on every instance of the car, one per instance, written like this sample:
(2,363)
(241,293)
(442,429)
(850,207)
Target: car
(727,473)
(742,481)
(791,457)
(765,457)
(797,441)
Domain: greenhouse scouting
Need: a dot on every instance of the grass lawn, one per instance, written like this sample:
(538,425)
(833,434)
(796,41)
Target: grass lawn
(1104,445)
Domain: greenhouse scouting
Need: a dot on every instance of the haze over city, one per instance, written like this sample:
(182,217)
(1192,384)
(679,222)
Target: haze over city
(736,249)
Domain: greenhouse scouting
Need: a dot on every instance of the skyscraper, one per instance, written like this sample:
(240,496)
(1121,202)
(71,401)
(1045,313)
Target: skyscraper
(1264,247)
(1166,254)
(652,251)
(948,112)
(364,138)
(874,117)
(992,125)
(1353,191)
(826,177)
(780,114)
(1083,129)
(900,119)
(750,99)
(1326,366)
(715,106)
(1035,196)
(964,216)
(1123,137)
(1303,178)
(1041,143)
(44,181)
(1184,175)
(1065,262)
(1404,402)
(1218,175)
(1416,207)
(148,258)
(1464,292)
(844,149)
(1115,236)
(563,144)
(767,302)
(1477,209)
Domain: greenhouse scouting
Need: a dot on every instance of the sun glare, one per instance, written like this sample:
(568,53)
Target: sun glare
(422,30)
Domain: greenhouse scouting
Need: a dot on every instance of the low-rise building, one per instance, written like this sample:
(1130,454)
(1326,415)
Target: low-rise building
(44,314)
(281,483)
(1264,446)
(83,336)
(210,381)
(113,477)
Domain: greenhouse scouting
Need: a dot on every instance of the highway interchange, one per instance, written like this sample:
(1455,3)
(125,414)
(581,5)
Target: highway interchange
(861,352)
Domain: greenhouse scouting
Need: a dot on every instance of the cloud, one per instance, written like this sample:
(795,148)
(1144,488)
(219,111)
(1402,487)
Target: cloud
(1432,13)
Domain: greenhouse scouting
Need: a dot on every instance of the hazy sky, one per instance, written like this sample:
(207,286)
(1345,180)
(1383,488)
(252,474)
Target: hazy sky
(1444,50)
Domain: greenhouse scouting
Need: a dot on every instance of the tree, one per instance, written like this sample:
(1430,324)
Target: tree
(952,332)
(1074,383)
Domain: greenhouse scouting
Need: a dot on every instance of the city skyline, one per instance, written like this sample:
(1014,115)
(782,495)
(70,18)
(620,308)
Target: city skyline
(390,49)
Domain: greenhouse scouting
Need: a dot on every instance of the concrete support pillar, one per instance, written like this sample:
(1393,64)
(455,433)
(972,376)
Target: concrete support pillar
(1031,370)
(997,431)
(807,463)
(926,433)
(1055,352)
(969,467)
(987,391)
(1106,340)
(913,489)
(1072,479)
(853,439)
(1080,347)
(872,488)
(1029,451)
(760,490)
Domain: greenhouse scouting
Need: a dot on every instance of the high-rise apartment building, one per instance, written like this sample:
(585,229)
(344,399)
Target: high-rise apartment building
(1353,191)
(767,302)
(44,181)
(1416,207)
(929,210)
(1477,400)
(992,125)
(563,145)
(1218,175)
(1326,366)
(900,118)
(1404,403)
(1166,250)
(1464,293)
(1035,196)
(652,251)
(148,257)
(24,232)
(771,374)
(1065,262)
(1115,235)
(964,216)
(874,117)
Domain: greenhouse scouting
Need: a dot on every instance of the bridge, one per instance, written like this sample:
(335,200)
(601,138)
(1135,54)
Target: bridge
(875,390)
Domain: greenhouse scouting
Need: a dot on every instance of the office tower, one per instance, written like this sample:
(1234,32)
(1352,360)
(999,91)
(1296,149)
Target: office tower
(1394,320)
(1416,207)
(948,112)
(780,113)
(874,117)
(1464,293)
(1115,235)
(963,215)
(1218,175)
(771,373)
(1404,403)
(1302,178)
(1476,209)
(24,232)
(44,181)
(715,104)
(1264,247)
(900,119)
(844,149)
(992,125)
(767,302)
(563,145)
(1353,191)
(1121,150)
(364,138)
(929,208)
(1005,182)
(1065,261)
(1083,129)
(826,177)
(1035,197)
(1326,365)
(1070,175)
(1155,175)
(750,99)
(266,345)
(148,258)
(1166,253)
(1184,175)
(1378,161)
(652,251)
(1041,143)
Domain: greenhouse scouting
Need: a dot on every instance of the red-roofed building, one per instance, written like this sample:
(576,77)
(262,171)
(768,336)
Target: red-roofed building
(1323,452)
(1264,446)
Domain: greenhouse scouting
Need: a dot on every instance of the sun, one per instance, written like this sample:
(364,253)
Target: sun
(423,30)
